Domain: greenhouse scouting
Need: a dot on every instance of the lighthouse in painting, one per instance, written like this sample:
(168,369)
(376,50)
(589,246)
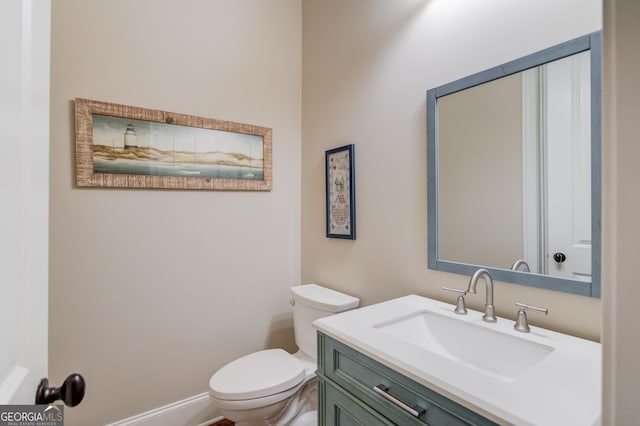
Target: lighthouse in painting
(130,137)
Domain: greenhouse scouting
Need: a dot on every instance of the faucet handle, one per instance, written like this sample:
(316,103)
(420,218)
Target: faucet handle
(521,320)
(460,308)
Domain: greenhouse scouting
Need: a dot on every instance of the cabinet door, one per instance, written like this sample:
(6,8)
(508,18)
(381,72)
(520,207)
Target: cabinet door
(341,409)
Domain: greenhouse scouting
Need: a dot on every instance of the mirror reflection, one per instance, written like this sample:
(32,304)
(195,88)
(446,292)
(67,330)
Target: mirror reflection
(514,170)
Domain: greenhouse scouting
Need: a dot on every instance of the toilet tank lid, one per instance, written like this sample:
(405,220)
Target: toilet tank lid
(323,298)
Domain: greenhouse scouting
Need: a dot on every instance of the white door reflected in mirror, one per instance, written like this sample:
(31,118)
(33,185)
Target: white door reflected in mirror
(568,167)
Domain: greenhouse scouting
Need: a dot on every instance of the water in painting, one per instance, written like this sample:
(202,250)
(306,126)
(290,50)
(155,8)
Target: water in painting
(126,146)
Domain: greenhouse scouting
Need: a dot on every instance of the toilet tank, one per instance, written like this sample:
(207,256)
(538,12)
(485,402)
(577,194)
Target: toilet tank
(310,302)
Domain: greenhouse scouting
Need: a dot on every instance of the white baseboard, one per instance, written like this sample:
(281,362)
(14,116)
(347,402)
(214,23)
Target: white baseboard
(194,411)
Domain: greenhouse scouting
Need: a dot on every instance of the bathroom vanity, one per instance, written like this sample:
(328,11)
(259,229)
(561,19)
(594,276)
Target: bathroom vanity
(353,387)
(413,361)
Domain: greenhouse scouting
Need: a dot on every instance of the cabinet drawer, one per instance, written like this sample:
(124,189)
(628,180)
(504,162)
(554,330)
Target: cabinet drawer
(340,408)
(358,374)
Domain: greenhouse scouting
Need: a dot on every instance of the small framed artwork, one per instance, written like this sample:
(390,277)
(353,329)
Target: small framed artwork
(120,146)
(341,193)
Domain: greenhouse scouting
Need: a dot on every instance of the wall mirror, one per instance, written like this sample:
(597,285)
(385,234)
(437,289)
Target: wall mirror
(514,170)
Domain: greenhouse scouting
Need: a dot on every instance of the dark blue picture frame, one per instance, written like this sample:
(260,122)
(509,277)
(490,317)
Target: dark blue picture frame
(340,209)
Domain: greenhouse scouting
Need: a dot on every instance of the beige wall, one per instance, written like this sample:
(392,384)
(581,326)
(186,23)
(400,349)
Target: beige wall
(151,291)
(621,210)
(479,192)
(364,82)
(152,329)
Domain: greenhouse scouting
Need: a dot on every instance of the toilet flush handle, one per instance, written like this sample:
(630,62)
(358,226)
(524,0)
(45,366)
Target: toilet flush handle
(292,302)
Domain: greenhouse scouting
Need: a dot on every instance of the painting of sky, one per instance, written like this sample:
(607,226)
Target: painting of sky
(109,131)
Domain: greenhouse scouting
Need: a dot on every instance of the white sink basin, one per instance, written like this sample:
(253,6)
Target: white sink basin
(537,378)
(491,352)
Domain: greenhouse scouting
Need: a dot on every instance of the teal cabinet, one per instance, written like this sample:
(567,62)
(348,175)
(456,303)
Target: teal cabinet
(341,408)
(354,389)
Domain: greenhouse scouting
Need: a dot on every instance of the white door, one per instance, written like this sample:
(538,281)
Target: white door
(24,188)
(568,163)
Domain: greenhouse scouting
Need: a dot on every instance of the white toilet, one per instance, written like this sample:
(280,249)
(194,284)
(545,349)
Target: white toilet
(273,387)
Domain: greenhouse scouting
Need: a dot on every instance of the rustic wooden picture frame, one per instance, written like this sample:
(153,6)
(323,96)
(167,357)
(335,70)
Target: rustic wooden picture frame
(231,157)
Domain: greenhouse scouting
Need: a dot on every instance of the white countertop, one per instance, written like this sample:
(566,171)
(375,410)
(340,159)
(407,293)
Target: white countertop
(563,389)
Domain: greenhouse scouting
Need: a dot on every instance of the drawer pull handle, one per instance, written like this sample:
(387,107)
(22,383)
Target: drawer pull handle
(384,391)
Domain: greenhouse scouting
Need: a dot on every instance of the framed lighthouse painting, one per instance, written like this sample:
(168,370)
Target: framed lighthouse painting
(120,146)
(340,193)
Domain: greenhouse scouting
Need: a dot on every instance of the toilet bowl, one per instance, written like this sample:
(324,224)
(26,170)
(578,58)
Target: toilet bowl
(264,388)
(273,387)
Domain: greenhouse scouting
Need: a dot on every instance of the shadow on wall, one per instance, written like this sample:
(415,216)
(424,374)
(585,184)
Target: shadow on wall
(379,25)
(281,333)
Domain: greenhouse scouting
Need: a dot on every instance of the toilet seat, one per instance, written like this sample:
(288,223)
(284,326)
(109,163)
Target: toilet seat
(251,404)
(258,375)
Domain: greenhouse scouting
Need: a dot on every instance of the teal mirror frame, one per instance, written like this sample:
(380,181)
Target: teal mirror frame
(591,42)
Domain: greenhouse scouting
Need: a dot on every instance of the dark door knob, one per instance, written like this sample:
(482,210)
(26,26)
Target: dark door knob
(71,391)
(559,257)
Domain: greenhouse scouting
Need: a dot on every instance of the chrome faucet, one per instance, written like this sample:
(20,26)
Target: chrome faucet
(520,264)
(489,309)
